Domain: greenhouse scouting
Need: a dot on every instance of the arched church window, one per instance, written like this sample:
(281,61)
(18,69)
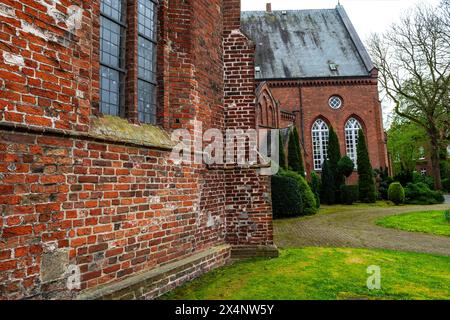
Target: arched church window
(320,139)
(351,138)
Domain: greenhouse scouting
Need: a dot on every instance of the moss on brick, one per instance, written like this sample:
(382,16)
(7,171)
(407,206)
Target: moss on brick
(118,129)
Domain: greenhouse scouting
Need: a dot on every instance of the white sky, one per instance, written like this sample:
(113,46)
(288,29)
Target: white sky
(367,16)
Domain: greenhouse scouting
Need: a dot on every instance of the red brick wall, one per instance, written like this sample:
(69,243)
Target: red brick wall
(114,208)
(46,76)
(360,101)
(249,214)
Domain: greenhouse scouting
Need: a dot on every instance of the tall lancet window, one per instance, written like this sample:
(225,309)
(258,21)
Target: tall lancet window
(320,139)
(351,138)
(112,53)
(147,61)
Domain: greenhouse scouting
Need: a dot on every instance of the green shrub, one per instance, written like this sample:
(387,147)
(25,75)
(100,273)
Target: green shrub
(419,193)
(445,169)
(308,199)
(295,159)
(286,197)
(405,176)
(346,166)
(396,193)
(446,185)
(327,192)
(315,187)
(420,178)
(447,215)
(334,156)
(384,182)
(367,189)
(349,194)
(282,154)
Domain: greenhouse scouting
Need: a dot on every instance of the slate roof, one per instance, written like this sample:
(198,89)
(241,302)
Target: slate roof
(303,43)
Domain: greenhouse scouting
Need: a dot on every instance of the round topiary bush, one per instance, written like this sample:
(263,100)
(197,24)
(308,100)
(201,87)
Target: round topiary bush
(396,193)
(346,166)
(286,197)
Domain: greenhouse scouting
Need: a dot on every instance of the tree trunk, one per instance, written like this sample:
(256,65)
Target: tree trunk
(435,162)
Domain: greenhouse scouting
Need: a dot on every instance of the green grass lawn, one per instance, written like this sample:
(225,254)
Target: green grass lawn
(324,274)
(432,222)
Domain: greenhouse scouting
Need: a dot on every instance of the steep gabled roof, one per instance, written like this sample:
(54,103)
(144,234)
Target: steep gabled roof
(306,44)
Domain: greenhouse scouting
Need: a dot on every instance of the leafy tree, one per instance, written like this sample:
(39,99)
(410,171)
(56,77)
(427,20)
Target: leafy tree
(334,156)
(282,154)
(405,141)
(327,191)
(413,60)
(346,166)
(367,190)
(295,159)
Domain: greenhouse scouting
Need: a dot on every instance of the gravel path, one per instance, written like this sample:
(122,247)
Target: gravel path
(356,228)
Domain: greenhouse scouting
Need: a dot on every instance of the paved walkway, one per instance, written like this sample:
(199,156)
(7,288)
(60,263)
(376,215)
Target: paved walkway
(356,228)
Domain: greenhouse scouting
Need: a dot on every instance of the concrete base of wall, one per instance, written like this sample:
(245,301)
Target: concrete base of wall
(248,252)
(156,282)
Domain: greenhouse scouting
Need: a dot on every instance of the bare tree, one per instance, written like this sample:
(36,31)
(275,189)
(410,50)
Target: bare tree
(413,59)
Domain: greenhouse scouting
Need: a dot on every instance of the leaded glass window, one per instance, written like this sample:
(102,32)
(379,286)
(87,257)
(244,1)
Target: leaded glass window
(147,61)
(112,51)
(320,139)
(351,138)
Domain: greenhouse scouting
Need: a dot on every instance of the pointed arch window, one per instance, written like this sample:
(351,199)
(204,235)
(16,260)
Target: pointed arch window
(320,137)
(352,128)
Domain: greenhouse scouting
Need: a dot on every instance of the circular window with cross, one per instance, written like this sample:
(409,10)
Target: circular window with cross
(335,102)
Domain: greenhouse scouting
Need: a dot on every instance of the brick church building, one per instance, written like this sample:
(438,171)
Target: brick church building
(91,205)
(314,72)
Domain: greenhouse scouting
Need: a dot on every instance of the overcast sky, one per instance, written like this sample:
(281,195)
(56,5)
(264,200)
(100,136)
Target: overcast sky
(368,16)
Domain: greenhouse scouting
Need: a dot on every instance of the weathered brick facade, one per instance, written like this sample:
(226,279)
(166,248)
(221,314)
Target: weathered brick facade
(100,193)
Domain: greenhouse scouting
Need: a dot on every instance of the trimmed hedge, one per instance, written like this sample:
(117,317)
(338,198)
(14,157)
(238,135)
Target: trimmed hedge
(295,159)
(282,154)
(309,200)
(286,197)
(420,193)
(327,192)
(396,193)
(367,189)
(349,194)
(334,156)
(315,187)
